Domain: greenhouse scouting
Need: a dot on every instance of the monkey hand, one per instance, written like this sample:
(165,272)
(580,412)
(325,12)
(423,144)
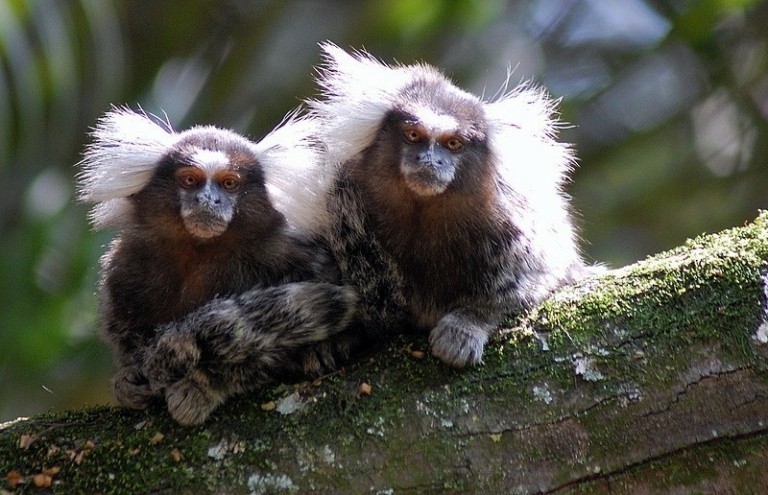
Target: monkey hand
(174,356)
(326,357)
(131,388)
(459,339)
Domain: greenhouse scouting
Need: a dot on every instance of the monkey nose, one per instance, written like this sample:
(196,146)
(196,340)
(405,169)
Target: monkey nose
(207,198)
(430,159)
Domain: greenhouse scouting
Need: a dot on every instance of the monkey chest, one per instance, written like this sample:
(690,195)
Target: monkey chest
(440,274)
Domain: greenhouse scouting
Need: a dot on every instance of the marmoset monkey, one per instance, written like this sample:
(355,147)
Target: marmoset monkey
(206,214)
(447,211)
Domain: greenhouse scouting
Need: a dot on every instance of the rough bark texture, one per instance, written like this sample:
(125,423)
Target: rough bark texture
(649,379)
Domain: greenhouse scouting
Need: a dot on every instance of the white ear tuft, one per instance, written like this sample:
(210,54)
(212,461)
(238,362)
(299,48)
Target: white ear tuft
(522,134)
(122,157)
(356,92)
(111,214)
(295,180)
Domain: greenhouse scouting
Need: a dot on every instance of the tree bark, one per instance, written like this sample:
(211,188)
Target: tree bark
(648,379)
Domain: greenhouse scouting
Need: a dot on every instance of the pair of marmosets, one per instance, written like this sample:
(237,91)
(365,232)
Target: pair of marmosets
(396,201)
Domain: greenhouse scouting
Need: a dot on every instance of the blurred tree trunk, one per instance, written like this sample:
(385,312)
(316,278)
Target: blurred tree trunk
(648,379)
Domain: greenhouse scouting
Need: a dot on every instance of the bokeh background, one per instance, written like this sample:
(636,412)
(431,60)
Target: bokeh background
(668,101)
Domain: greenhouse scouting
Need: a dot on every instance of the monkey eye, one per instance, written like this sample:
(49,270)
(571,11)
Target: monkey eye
(230,182)
(454,144)
(412,135)
(188,178)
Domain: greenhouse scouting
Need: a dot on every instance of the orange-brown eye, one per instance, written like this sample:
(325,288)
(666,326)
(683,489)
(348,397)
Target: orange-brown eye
(188,178)
(454,144)
(412,135)
(230,183)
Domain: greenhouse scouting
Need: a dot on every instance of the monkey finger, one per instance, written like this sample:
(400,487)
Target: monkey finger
(131,388)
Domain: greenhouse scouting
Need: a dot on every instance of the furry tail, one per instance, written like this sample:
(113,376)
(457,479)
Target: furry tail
(232,345)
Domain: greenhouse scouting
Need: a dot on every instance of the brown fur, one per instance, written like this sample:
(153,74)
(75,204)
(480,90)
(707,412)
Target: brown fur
(209,288)
(431,226)
(434,239)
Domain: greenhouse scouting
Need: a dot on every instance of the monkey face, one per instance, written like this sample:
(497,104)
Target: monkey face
(207,185)
(439,132)
(428,160)
(208,194)
(433,153)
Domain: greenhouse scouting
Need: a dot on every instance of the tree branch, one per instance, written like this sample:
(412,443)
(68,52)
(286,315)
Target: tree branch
(648,378)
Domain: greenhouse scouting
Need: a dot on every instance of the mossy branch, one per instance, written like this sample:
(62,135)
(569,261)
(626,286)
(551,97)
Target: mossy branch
(648,378)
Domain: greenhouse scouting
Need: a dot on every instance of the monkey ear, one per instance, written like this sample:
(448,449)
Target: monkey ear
(126,148)
(356,91)
(295,178)
(111,214)
(523,123)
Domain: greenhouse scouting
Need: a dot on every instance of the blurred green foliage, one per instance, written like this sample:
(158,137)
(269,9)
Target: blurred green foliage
(668,101)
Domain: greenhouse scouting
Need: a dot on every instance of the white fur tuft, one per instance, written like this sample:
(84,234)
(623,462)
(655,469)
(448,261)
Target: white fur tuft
(357,91)
(122,157)
(522,135)
(533,165)
(296,183)
(111,214)
(119,162)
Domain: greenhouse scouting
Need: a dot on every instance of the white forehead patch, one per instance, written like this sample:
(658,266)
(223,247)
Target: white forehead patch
(435,122)
(210,160)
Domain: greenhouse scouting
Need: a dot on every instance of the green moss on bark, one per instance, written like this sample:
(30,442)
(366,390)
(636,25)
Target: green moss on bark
(601,383)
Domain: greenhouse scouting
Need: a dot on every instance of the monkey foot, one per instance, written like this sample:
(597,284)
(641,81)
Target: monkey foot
(458,343)
(191,400)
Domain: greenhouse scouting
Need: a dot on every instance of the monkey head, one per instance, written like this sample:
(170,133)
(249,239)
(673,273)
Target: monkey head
(438,141)
(440,137)
(208,180)
(203,181)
